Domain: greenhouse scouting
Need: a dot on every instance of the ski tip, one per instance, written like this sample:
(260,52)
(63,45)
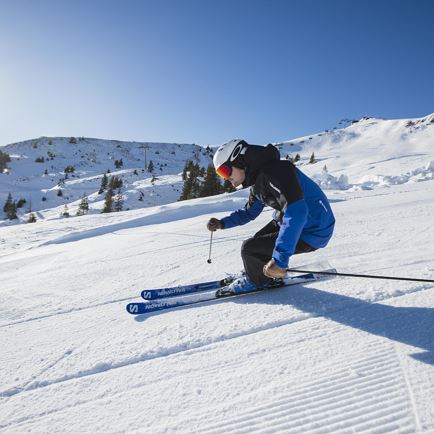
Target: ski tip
(147,294)
(133,308)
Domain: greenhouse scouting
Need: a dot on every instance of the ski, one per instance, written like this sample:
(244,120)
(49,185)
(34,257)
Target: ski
(173,291)
(139,308)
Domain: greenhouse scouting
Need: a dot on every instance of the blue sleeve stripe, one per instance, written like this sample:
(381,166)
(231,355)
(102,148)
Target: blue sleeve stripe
(292,225)
(243,216)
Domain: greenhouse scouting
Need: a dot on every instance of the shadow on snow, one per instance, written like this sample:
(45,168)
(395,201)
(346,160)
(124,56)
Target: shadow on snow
(409,325)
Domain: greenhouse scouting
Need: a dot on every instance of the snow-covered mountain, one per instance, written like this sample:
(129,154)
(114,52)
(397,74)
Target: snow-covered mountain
(369,152)
(37,172)
(334,356)
(366,153)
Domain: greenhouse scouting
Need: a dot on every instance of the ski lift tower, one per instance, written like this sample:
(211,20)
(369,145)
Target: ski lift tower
(145,146)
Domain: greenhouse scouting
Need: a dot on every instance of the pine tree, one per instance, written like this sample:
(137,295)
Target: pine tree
(8,202)
(187,168)
(108,204)
(83,208)
(119,201)
(65,212)
(4,158)
(104,183)
(297,158)
(10,208)
(211,185)
(115,183)
(196,184)
(32,218)
(312,159)
(187,189)
(21,203)
(151,166)
(192,185)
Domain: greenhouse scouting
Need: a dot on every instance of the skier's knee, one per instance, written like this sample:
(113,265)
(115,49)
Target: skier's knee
(246,247)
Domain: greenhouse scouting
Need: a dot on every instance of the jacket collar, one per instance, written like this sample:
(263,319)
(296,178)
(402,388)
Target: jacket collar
(256,158)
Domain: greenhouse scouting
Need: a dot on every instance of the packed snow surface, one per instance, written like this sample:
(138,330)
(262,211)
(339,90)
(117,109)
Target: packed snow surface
(338,355)
(334,356)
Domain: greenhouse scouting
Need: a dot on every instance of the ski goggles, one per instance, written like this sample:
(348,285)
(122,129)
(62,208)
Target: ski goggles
(225,171)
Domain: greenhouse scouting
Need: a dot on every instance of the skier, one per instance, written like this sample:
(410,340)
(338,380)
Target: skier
(302,222)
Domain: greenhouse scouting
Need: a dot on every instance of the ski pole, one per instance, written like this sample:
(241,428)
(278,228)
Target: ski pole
(368,276)
(210,245)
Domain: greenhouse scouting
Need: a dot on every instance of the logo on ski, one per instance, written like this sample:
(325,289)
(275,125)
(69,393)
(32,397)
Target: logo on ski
(133,308)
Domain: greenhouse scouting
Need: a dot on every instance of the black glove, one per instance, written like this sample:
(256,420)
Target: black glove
(214,224)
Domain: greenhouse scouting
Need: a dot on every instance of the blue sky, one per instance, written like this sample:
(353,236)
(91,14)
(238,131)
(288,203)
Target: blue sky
(208,71)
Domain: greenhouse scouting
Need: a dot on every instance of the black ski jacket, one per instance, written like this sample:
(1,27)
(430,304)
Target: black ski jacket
(302,209)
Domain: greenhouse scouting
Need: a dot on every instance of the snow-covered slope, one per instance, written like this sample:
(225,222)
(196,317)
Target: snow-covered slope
(367,153)
(40,182)
(345,355)
(336,356)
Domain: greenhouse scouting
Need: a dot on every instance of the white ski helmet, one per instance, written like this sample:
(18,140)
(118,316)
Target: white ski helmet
(229,152)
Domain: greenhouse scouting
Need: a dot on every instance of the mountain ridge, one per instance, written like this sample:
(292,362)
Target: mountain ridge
(365,154)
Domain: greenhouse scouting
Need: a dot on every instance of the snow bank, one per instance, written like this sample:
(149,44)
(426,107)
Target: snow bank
(329,182)
(417,175)
(367,182)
